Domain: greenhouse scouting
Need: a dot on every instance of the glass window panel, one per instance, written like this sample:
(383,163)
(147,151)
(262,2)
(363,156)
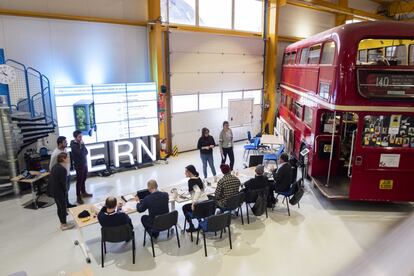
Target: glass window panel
(308,116)
(256,94)
(292,58)
(328,53)
(182,11)
(327,119)
(396,55)
(411,58)
(314,54)
(286,58)
(304,56)
(248,15)
(164,10)
(283,100)
(184,103)
(362,56)
(288,102)
(230,96)
(297,110)
(210,101)
(388,131)
(215,13)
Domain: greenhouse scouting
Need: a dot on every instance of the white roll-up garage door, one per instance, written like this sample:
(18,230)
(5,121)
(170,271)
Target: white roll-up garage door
(206,71)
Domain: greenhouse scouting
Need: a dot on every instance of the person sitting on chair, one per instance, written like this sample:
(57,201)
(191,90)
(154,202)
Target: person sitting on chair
(283,175)
(227,186)
(156,203)
(111,214)
(197,193)
(258,182)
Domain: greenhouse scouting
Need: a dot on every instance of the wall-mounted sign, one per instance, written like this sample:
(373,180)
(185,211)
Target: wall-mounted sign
(124,150)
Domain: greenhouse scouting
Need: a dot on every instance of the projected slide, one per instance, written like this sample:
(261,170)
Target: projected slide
(107,112)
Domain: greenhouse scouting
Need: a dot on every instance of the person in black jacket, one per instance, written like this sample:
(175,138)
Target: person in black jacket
(156,203)
(59,189)
(78,156)
(206,144)
(258,182)
(111,216)
(283,175)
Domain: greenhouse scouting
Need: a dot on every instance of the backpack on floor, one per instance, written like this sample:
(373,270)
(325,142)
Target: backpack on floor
(260,205)
(298,191)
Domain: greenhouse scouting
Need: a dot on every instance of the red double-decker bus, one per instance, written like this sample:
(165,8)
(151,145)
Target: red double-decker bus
(347,95)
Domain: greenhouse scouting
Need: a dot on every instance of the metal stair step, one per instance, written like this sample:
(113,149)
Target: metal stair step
(23,124)
(27,119)
(29,129)
(36,133)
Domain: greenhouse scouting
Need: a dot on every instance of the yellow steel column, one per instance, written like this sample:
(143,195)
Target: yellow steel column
(340,19)
(269,99)
(156,67)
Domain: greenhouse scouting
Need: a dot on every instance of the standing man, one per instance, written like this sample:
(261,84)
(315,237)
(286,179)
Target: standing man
(58,176)
(226,144)
(78,154)
(61,147)
(156,203)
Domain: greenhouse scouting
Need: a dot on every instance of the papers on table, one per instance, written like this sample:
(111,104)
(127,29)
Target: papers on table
(99,205)
(129,206)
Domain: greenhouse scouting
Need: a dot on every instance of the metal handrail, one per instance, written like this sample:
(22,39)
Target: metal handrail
(41,87)
(27,83)
(351,153)
(19,63)
(50,97)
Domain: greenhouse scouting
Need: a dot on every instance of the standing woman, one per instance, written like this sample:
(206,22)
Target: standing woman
(196,190)
(58,181)
(226,144)
(206,144)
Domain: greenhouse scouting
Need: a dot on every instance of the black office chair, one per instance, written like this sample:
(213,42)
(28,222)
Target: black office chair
(215,223)
(202,210)
(142,193)
(235,203)
(251,197)
(294,187)
(122,233)
(163,223)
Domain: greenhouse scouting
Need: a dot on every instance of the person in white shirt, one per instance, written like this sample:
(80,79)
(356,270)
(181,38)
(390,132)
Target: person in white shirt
(61,147)
(226,144)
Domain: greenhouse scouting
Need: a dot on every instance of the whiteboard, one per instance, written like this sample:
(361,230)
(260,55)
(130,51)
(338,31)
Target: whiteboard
(240,112)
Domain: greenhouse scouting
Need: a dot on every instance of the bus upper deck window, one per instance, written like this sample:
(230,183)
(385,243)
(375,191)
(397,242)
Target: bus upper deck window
(304,56)
(314,54)
(385,52)
(396,55)
(286,58)
(292,58)
(328,53)
(411,55)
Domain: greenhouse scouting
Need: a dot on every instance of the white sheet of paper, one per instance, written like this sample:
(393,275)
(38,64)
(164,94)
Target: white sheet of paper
(130,205)
(389,161)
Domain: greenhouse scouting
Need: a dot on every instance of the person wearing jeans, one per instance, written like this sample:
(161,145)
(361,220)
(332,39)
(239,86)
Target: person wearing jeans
(205,145)
(226,144)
